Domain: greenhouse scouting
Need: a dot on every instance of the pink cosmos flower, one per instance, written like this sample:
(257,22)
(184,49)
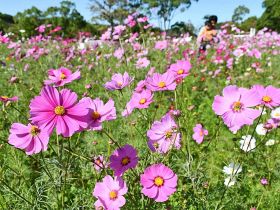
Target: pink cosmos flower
(118,81)
(140,100)
(110,193)
(99,163)
(180,69)
(119,53)
(41,28)
(160,82)
(199,133)
(98,112)
(141,85)
(61,76)
(163,135)
(5,99)
(30,138)
(264,181)
(269,96)
(234,107)
(60,110)
(123,159)
(161,45)
(142,63)
(159,182)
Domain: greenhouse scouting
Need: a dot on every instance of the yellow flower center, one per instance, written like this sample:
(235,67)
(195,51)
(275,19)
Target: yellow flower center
(95,115)
(142,101)
(161,84)
(125,161)
(59,110)
(62,76)
(113,195)
(266,99)
(34,130)
(237,106)
(158,181)
(168,134)
(180,71)
(119,84)
(277,115)
(201,133)
(156,145)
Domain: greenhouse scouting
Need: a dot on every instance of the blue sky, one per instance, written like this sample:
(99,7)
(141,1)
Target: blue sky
(222,8)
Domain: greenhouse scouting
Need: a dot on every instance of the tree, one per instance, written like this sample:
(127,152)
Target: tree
(5,21)
(111,11)
(167,8)
(239,13)
(182,28)
(250,22)
(271,16)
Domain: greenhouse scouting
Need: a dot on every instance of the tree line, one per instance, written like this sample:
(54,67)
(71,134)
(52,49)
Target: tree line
(111,12)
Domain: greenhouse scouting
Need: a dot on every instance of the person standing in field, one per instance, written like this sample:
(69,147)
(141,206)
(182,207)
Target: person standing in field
(207,33)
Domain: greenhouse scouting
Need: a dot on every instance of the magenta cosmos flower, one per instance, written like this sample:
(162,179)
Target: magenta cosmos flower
(234,107)
(140,100)
(123,159)
(61,76)
(5,99)
(159,182)
(30,138)
(163,135)
(110,193)
(180,69)
(199,133)
(269,96)
(98,112)
(60,110)
(118,81)
(159,82)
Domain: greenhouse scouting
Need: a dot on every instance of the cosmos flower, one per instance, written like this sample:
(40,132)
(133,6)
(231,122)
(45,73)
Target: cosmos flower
(199,133)
(60,110)
(180,69)
(98,112)
(5,99)
(30,138)
(235,107)
(160,82)
(142,63)
(159,182)
(99,162)
(118,81)
(164,135)
(232,171)
(268,96)
(140,100)
(61,76)
(247,143)
(123,159)
(110,193)
(261,130)
(161,45)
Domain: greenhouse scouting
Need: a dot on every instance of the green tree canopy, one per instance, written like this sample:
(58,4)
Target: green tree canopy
(271,16)
(239,13)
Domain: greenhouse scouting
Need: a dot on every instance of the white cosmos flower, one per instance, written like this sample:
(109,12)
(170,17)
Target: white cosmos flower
(261,130)
(276,113)
(229,181)
(270,142)
(232,169)
(247,143)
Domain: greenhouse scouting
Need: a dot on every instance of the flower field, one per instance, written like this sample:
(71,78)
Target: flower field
(139,120)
